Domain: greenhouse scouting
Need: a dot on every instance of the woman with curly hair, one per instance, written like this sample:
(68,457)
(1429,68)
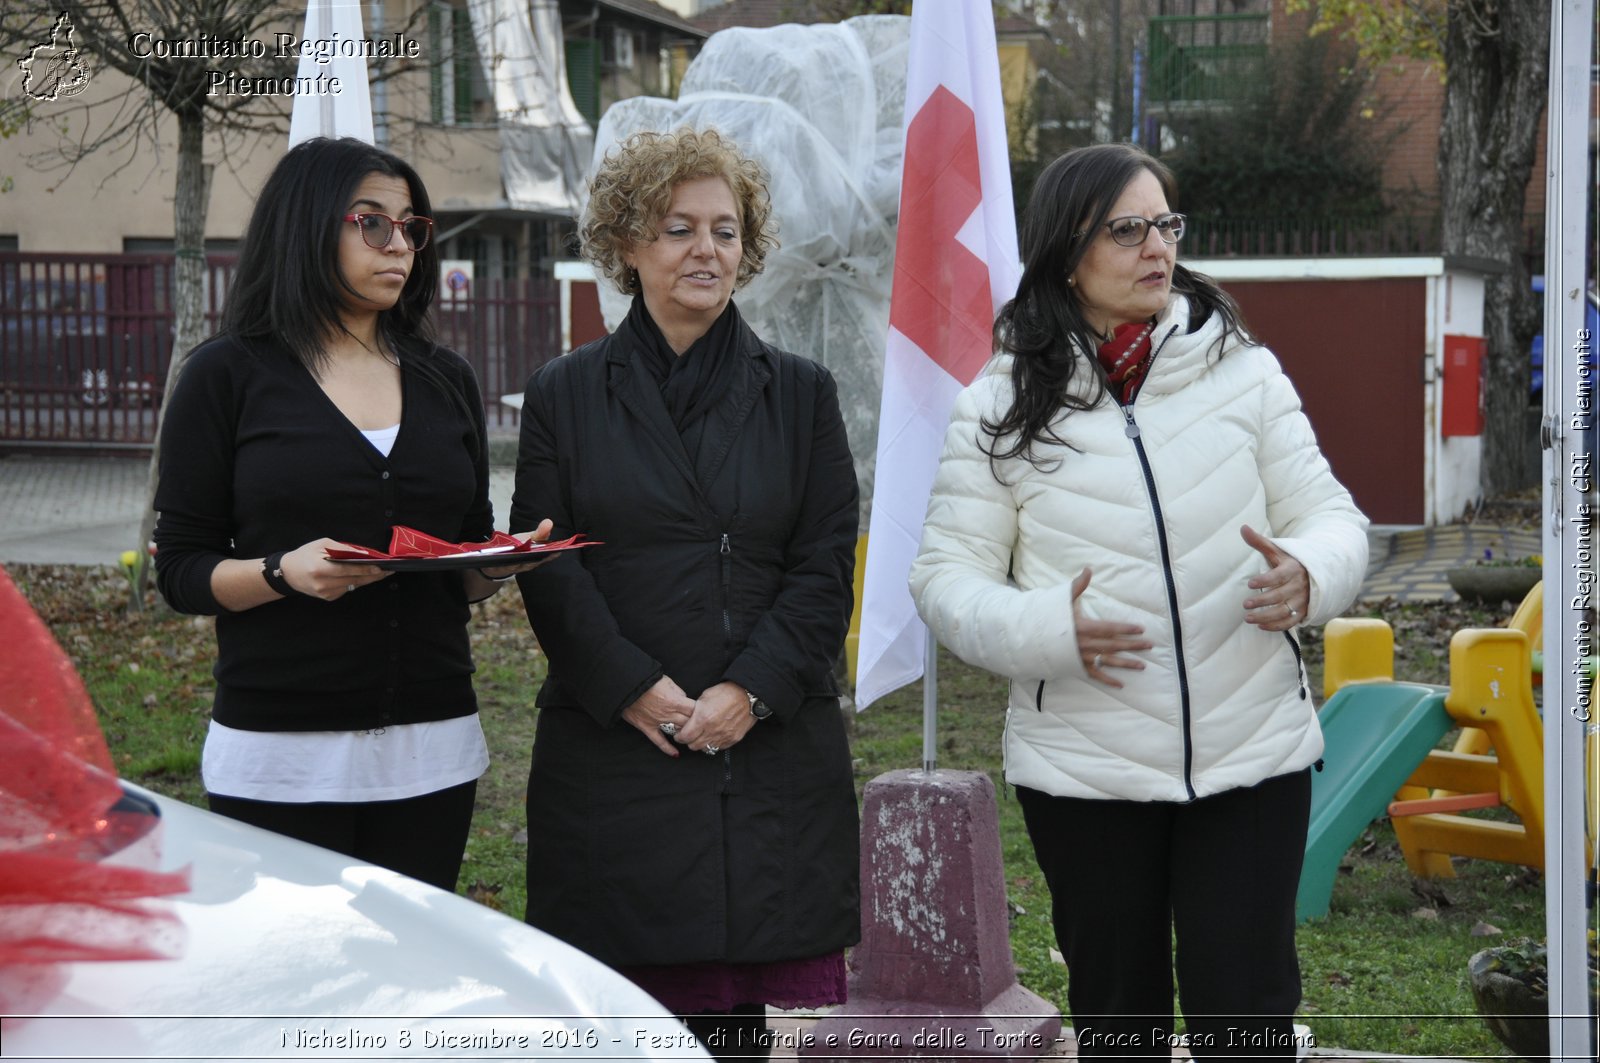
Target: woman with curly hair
(690,801)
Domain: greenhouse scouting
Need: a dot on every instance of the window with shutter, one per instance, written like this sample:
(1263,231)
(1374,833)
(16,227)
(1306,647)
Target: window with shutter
(583,76)
(464,56)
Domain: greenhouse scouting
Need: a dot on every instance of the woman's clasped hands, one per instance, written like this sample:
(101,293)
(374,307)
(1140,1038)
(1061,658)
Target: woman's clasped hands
(668,717)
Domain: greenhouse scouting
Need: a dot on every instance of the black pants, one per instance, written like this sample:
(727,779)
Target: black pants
(424,837)
(1220,874)
(739,1033)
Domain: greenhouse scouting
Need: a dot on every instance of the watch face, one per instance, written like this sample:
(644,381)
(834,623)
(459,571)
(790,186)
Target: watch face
(759,709)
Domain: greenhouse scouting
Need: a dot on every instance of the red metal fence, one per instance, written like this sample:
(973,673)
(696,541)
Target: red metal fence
(85,341)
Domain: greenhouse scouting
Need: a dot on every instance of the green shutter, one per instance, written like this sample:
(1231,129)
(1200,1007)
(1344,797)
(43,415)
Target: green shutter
(466,57)
(435,79)
(583,76)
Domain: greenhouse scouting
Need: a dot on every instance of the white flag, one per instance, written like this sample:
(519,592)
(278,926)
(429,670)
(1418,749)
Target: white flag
(332,29)
(955,265)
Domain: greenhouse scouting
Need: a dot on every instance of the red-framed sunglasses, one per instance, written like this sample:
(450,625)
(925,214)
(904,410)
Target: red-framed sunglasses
(378,229)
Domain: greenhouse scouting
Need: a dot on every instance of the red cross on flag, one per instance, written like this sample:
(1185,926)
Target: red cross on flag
(956,264)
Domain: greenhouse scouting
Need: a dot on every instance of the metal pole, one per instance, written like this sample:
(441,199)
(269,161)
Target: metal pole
(325,101)
(930,703)
(1569,498)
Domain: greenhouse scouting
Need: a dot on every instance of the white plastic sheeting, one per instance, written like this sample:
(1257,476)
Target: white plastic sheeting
(544,140)
(822,108)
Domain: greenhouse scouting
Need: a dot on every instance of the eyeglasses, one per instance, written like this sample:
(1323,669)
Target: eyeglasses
(1132,230)
(378,229)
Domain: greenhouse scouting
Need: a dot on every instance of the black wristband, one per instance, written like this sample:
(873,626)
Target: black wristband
(272,572)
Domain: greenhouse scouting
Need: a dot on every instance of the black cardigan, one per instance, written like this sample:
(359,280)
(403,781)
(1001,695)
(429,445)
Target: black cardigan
(255,458)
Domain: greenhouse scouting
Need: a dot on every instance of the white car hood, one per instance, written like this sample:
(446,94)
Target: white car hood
(293,951)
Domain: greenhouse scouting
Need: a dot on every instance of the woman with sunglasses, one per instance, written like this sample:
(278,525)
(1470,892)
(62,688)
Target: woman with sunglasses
(1130,519)
(322,413)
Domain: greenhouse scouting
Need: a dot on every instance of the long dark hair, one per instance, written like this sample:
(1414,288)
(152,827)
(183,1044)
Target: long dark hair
(288,285)
(1043,328)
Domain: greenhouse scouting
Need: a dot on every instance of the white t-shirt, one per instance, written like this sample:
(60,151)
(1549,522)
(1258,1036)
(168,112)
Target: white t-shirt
(383,764)
(386,764)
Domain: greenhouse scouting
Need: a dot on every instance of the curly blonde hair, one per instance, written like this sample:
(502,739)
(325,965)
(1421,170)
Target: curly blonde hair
(633,190)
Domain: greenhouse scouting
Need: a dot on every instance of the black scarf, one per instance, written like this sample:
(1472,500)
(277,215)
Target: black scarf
(692,382)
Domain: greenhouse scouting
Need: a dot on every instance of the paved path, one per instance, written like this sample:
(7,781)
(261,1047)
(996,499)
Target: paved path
(86,511)
(1410,564)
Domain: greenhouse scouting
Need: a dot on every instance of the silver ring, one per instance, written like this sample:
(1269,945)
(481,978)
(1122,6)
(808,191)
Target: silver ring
(669,728)
(1291,609)
(711,751)
(350,588)
(1096,663)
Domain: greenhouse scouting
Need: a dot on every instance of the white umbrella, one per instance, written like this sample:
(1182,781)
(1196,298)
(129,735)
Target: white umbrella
(332,26)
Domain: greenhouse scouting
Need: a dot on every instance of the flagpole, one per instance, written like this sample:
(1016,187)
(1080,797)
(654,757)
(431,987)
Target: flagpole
(327,127)
(930,703)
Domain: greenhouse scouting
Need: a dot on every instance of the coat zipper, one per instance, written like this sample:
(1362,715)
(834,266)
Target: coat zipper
(726,552)
(1299,665)
(727,580)
(1131,428)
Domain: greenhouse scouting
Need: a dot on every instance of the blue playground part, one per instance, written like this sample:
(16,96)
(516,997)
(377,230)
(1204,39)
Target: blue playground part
(1375,736)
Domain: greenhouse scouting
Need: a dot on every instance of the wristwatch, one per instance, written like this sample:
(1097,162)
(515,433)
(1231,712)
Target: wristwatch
(758,708)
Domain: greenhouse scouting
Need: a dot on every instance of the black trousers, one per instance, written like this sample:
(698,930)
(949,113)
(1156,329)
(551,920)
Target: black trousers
(424,837)
(1219,874)
(740,1033)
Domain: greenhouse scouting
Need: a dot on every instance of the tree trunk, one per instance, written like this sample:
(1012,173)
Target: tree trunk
(1497,56)
(188,297)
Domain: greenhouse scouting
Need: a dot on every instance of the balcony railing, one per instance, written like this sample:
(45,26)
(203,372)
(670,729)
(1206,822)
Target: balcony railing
(1301,236)
(1197,59)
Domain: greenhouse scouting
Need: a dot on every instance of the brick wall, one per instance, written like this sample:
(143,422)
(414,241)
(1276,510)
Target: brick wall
(1407,102)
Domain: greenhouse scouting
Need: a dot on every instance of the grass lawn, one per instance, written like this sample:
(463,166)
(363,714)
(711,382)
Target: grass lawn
(1385,972)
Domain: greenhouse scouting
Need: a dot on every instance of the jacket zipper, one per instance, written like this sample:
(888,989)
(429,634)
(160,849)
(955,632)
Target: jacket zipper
(726,552)
(1299,665)
(1131,428)
(727,580)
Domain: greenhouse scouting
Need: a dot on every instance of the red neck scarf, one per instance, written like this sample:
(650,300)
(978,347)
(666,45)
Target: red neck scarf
(1126,357)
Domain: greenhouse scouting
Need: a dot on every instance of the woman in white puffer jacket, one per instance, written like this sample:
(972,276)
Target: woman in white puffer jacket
(1130,518)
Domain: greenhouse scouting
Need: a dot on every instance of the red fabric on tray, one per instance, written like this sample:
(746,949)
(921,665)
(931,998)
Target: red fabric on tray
(409,542)
(58,902)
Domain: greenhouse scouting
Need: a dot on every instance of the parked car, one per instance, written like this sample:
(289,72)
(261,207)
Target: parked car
(1591,322)
(291,951)
(134,926)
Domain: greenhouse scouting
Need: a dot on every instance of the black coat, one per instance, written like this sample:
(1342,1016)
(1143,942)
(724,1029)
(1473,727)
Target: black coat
(740,569)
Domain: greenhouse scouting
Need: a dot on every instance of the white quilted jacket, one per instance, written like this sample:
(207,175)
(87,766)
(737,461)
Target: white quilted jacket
(1220,704)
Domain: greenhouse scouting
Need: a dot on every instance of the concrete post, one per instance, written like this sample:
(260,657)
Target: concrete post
(933,976)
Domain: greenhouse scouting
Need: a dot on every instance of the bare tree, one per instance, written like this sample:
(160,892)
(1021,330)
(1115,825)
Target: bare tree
(195,61)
